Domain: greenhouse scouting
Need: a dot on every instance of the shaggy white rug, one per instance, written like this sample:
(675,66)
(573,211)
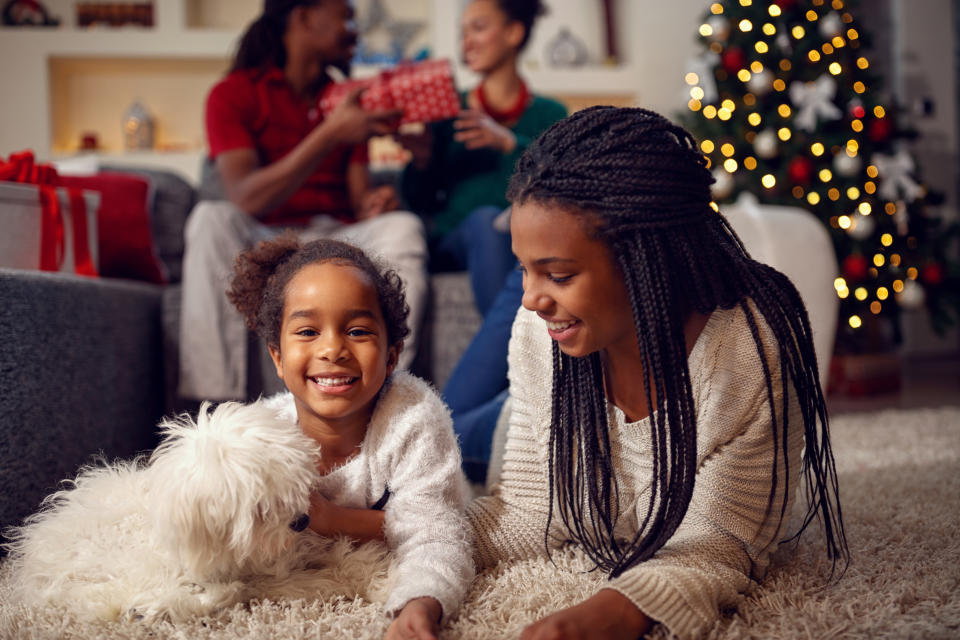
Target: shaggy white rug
(900,486)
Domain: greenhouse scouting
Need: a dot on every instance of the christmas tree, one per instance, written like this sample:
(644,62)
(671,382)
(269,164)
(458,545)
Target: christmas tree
(786,107)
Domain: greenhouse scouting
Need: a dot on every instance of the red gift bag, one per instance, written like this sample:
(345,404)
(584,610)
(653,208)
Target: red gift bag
(22,168)
(424,90)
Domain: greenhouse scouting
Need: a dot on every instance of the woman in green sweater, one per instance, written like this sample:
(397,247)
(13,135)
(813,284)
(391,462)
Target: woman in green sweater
(460,168)
(456,180)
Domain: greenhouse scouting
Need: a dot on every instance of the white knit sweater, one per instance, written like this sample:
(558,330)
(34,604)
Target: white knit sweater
(410,449)
(727,535)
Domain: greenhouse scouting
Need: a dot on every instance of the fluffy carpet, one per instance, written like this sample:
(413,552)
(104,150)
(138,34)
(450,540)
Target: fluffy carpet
(900,486)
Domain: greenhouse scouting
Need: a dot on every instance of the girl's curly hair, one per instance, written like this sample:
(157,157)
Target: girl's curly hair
(261,275)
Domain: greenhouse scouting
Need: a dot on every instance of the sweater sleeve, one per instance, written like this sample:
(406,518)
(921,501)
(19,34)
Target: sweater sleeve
(423,520)
(728,532)
(511,522)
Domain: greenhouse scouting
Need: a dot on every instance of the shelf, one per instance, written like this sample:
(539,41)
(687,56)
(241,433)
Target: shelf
(128,42)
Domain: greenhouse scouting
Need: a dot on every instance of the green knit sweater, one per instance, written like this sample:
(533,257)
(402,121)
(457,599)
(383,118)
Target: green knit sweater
(459,180)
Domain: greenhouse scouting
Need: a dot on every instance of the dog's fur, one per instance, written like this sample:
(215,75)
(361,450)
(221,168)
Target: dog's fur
(201,525)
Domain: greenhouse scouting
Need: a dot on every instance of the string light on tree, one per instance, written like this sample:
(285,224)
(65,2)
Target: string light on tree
(789,89)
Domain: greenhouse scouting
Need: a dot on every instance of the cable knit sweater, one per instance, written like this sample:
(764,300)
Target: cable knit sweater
(727,535)
(410,449)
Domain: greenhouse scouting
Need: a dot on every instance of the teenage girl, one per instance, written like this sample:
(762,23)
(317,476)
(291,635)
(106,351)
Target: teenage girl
(457,180)
(334,323)
(664,389)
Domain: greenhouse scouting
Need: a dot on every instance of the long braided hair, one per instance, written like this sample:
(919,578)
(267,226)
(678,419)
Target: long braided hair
(645,189)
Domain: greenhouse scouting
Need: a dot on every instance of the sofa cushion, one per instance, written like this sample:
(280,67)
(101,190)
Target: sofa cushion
(171,199)
(81,373)
(124,237)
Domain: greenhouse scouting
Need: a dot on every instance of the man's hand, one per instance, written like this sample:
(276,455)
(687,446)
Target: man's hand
(419,144)
(418,620)
(476,130)
(379,200)
(608,615)
(349,123)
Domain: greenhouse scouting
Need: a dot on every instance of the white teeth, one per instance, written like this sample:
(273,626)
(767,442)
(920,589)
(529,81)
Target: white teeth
(332,382)
(560,326)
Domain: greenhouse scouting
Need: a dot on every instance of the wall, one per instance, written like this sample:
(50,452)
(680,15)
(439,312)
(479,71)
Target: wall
(923,59)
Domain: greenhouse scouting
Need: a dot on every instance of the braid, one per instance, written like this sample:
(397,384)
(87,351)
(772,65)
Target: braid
(644,183)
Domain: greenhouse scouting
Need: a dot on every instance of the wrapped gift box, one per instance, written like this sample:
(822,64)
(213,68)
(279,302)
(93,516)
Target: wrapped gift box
(23,239)
(424,90)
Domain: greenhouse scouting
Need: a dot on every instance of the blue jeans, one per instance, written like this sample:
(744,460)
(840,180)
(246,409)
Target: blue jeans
(478,386)
(480,249)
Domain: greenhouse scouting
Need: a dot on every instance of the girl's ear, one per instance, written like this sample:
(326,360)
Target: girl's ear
(277,360)
(393,356)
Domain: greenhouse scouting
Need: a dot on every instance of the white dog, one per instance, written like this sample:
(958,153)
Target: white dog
(211,520)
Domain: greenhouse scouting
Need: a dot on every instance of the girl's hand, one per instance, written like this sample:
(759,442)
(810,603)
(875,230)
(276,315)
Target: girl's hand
(418,620)
(475,129)
(608,615)
(330,520)
(352,124)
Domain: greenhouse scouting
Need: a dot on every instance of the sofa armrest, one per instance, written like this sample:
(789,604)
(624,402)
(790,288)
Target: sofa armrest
(81,373)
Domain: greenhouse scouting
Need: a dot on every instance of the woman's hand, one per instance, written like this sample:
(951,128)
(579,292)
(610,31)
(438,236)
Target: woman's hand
(349,123)
(608,615)
(476,130)
(418,620)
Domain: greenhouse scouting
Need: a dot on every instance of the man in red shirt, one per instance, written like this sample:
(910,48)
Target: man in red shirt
(284,165)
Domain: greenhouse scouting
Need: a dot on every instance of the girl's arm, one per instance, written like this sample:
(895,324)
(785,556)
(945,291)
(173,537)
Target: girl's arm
(728,532)
(424,524)
(511,522)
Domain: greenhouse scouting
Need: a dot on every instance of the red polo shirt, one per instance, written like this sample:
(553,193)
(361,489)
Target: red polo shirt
(256,109)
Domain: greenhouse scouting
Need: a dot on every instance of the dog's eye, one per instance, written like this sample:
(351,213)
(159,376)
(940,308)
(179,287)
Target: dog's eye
(300,523)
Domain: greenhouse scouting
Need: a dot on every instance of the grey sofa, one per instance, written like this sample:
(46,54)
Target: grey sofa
(89,366)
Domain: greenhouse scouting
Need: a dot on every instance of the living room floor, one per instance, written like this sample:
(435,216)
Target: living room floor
(925,382)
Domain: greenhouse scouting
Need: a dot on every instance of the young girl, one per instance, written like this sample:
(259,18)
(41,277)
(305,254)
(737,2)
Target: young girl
(334,324)
(684,401)
(457,179)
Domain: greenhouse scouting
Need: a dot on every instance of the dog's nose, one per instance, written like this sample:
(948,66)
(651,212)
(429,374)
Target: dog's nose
(300,523)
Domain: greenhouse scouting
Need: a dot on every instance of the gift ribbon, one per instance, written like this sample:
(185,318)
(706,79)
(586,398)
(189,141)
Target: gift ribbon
(21,167)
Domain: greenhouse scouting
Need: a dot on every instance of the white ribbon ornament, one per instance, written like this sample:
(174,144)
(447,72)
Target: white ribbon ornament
(813,100)
(895,172)
(703,66)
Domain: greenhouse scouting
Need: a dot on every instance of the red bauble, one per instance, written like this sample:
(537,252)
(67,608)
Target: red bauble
(800,170)
(855,267)
(932,274)
(733,59)
(879,129)
(786,5)
(858,111)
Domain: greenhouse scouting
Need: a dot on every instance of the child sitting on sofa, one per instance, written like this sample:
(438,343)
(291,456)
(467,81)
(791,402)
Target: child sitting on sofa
(334,323)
